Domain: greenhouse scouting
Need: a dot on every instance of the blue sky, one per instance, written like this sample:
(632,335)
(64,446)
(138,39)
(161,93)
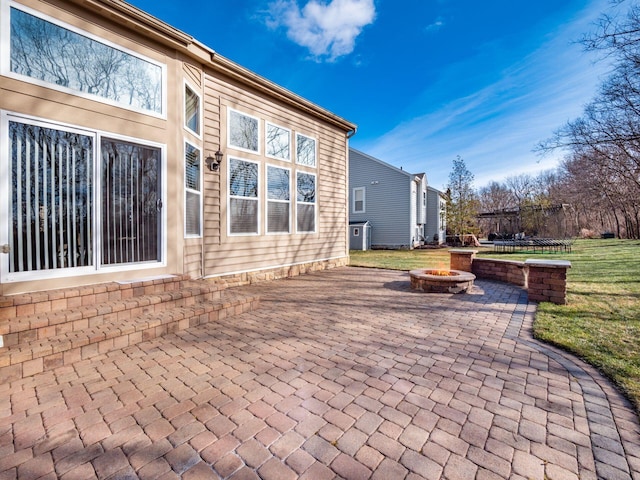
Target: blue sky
(424,80)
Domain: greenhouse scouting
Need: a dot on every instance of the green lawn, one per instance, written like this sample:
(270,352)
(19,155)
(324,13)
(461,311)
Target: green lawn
(600,323)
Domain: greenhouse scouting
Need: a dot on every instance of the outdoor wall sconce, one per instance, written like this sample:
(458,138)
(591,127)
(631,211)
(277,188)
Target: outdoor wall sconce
(213,163)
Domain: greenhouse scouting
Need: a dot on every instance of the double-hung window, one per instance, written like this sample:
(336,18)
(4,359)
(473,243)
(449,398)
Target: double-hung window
(193,191)
(244,203)
(278,199)
(305,202)
(359,200)
(63,57)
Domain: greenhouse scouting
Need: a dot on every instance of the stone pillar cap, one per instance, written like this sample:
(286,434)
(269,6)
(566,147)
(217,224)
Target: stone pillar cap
(461,250)
(548,263)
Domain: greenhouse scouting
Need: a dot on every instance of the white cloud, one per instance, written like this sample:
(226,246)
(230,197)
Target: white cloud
(437,24)
(328,30)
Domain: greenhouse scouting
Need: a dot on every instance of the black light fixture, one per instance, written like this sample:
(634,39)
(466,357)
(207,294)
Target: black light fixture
(213,163)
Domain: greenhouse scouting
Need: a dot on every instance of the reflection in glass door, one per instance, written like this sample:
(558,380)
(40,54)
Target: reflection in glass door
(131,203)
(51,198)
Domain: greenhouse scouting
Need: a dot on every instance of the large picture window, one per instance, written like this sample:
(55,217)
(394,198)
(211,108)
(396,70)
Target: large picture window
(244,202)
(193,191)
(305,150)
(65,58)
(278,199)
(243,131)
(306,202)
(278,142)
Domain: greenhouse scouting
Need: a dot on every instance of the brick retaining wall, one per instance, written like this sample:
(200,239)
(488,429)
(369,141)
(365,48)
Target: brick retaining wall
(545,280)
(508,271)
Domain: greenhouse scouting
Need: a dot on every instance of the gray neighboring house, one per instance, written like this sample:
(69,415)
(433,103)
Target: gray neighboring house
(435,231)
(393,201)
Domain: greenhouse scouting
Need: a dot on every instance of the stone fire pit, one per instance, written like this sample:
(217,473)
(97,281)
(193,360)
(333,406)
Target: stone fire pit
(441,281)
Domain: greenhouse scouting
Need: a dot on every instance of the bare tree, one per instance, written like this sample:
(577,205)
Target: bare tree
(605,139)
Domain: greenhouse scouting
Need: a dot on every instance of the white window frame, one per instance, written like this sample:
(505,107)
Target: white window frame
(315,150)
(5,207)
(268,124)
(364,197)
(200,115)
(256,199)
(268,200)
(237,147)
(195,192)
(315,203)
(5,59)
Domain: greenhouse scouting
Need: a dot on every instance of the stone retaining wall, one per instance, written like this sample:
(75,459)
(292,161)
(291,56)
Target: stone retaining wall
(545,280)
(508,271)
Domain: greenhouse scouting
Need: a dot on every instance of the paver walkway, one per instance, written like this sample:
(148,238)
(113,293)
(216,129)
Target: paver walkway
(340,374)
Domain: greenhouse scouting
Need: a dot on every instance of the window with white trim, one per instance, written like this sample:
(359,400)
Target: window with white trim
(66,58)
(358,200)
(277,142)
(278,199)
(305,202)
(193,191)
(305,150)
(244,132)
(191,110)
(244,202)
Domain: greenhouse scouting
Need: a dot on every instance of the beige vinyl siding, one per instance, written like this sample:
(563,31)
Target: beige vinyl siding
(230,254)
(193,74)
(193,257)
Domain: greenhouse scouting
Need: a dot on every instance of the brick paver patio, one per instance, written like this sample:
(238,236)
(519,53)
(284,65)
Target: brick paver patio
(340,374)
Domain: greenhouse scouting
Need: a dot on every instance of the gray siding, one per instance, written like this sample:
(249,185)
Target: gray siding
(387,200)
(432,227)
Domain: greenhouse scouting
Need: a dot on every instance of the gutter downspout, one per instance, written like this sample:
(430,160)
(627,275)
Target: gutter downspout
(348,136)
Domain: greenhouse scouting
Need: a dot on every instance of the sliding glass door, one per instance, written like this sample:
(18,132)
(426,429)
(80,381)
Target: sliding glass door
(58,191)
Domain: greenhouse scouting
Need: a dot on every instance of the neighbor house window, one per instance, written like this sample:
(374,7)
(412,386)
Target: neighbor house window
(358,200)
(305,150)
(71,60)
(243,131)
(306,202)
(191,110)
(278,142)
(278,199)
(193,191)
(243,197)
